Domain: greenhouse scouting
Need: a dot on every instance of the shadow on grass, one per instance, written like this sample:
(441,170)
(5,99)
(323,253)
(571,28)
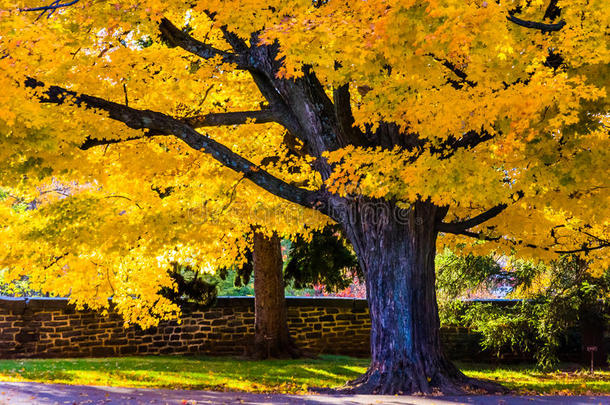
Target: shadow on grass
(288,376)
(526,379)
(283,376)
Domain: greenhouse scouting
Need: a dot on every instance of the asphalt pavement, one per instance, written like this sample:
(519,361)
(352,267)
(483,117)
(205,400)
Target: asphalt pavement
(26,393)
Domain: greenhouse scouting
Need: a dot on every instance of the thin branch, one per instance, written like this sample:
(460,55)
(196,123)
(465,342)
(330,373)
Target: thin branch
(177,37)
(597,238)
(238,44)
(468,140)
(53,6)
(232,195)
(448,147)
(231,118)
(159,123)
(55,260)
(123,197)
(536,25)
(125,92)
(93,142)
(456,71)
(205,95)
(108,279)
(58,190)
(585,248)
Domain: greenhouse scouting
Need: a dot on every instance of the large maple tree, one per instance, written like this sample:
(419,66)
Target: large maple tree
(402,121)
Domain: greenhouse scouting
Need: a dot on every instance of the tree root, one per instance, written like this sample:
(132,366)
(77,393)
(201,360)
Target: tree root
(405,383)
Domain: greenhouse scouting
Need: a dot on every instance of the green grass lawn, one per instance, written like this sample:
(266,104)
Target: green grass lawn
(289,376)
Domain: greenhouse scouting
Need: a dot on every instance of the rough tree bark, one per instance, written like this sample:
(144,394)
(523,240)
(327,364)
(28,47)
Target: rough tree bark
(396,249)
(271,334)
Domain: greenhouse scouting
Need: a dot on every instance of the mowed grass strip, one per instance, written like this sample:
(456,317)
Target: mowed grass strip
(526,379)
(182,372)
(281,376)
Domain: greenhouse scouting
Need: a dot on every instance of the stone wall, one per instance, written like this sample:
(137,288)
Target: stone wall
(43,327)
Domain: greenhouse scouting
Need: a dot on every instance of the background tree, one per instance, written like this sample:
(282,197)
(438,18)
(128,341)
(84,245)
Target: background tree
(192,291)
(555,298)
(401,121)
(320,258)
(323,259)
(271,336)
(459,277)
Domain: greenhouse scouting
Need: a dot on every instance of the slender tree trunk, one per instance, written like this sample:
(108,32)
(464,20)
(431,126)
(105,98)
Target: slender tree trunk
(271,334)
(396,249)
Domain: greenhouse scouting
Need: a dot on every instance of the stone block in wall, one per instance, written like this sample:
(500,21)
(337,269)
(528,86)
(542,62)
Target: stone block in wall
(103,351)
(212,315)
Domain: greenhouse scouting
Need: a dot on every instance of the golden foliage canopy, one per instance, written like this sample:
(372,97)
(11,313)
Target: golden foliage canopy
(496,110)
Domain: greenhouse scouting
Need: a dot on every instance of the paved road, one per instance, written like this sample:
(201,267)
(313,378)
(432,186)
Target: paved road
(57,394)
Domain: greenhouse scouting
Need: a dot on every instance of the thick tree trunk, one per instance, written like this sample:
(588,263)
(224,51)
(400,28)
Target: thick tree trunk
(271,334)
(396,249)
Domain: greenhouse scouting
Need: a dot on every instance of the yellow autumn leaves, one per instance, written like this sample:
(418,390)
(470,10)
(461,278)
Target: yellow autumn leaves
(439,70)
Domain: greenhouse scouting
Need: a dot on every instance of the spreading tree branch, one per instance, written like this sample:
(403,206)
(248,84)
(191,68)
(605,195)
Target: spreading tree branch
(552,11)
(345,117)
(447,148)
(176,37)
(278,106)
(461,228)
(198,121)
(159,123)
(585,248)
(238,44)
(231,118)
